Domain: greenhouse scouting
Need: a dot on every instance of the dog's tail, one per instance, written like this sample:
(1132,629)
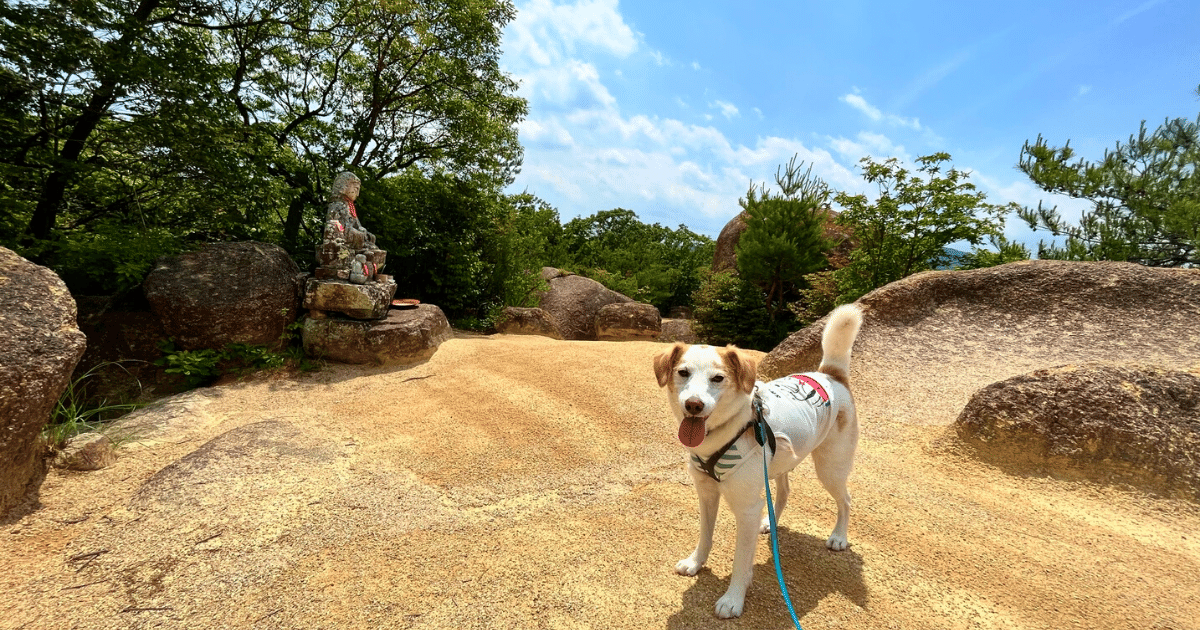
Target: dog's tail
(840,332)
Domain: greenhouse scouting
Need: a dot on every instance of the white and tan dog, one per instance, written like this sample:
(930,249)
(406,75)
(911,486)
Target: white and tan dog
(713,393)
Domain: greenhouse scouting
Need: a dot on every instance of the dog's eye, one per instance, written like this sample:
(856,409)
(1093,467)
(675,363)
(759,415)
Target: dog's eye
(684,373)
(718,378)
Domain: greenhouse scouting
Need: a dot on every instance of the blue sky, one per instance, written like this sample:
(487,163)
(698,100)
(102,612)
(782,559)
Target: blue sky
(671,109)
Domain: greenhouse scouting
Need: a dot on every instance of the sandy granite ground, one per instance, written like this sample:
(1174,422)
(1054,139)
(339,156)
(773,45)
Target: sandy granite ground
(522,482)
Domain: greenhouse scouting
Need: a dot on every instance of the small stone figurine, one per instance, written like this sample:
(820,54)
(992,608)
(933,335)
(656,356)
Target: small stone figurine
(347,250)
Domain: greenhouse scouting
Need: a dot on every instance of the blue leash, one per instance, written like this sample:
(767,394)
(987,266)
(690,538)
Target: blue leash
(758,429)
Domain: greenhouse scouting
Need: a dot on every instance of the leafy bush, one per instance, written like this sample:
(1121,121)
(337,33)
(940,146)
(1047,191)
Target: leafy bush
(201,367)
(730,310)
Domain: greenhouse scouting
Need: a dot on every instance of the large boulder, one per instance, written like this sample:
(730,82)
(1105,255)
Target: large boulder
(226,293)
(41,346)
(404,336)
(527,321)
(1037,312)
(725,254)
(677,330)
(573,302)
(1127,424)
(628,321)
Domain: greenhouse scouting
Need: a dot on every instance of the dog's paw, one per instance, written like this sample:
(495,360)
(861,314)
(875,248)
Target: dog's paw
(837,542)
(730,606)
(765,528)
(688,566)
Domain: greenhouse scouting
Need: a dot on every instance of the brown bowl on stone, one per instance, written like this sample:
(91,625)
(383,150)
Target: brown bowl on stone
(405,303)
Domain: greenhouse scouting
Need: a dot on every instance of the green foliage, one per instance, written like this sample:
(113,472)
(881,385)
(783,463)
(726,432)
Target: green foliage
(819,296)
(1006,251)
(202,367)
(1145,197)
(455,243)
(647,262)
(730,310)
(76,412)
(784,238)
(227,121)
(907,229)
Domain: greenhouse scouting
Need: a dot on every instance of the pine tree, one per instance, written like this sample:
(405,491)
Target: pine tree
(1145,195)
(785,234)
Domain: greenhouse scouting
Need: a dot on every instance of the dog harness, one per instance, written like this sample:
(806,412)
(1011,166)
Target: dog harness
(793,396)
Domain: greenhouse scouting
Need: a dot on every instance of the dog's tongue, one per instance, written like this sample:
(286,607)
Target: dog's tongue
(691,431)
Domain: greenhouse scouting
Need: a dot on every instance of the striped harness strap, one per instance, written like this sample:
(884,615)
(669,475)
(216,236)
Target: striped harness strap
(727,458)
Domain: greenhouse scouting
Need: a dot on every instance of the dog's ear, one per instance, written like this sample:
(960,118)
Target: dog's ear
(665,363)
(742,370)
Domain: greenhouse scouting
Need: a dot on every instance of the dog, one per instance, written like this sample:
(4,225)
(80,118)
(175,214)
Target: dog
(714,394)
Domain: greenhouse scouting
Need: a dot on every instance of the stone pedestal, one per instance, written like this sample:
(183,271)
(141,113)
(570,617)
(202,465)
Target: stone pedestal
(403,336)
(358,301)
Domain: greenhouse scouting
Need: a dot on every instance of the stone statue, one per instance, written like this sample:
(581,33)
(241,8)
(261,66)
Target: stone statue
(347,250)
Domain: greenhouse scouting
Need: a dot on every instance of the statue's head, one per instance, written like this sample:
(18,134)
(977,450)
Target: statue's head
(346,185)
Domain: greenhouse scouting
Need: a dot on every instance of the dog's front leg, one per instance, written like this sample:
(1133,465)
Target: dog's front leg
(710,497)
(748,515)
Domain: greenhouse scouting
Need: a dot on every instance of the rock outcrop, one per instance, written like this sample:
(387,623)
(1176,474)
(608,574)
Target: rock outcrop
(1128,424)
(725,254)
(573,302)
(677,330)
(527,321)
(226,293)
(628,321)
(404,336)
(41,346)
(1045,312)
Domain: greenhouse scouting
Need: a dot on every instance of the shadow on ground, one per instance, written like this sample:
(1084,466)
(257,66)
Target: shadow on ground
(811,572)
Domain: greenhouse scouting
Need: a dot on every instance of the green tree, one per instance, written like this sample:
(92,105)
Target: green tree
(907,228)
(784,238)
(648,262)
(1145,197)
(226,120)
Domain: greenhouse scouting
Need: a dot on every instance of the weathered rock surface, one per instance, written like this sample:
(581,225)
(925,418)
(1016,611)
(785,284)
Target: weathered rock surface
(86,451)
(628,321)
(360,301)
(1131,424)
(725,254)
(226,293)
(527,321)
(404,336)
(1046,312)
(41,346)
(573,302)
(677,330)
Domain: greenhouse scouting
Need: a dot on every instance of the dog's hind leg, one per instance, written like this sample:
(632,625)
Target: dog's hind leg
(782,490)
(833,461)
(710,497)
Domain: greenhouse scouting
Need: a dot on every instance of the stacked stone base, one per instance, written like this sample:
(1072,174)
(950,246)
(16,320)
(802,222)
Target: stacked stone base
(355,323)
(403,336)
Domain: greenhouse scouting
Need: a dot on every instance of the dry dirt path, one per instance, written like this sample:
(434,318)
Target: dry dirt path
(521,482)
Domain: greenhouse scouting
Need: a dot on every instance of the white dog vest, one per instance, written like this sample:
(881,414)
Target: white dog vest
(791,406)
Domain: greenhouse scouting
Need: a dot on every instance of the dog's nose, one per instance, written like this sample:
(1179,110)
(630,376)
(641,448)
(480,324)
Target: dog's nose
(694,406)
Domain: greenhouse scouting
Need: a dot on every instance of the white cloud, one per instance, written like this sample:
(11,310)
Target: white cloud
(545,32)
(572,84)
(1084,89)
(757,112)
(728,110)
(874,113)
(659,58)
(695,65)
